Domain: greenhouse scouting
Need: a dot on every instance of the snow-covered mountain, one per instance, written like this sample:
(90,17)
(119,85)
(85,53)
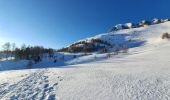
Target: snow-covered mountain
(141,74)
(129,35)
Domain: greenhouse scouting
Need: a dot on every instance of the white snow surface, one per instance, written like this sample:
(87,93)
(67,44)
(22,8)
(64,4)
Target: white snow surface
(129,25)
(142,74)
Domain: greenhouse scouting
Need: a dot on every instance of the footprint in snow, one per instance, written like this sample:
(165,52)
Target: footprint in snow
(4,84)
(46,85)
(51,89)
(45,77)
(55,84)
(46,81)
(60,78)
(52,97)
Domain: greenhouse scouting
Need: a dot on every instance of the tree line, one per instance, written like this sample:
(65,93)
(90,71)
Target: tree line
(34,53)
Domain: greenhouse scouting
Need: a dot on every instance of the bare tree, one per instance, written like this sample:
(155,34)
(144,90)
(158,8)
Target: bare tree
(13,47)
(109,55)
(23,46)
(95,57)
(125,49)
(116,51)
(6,48)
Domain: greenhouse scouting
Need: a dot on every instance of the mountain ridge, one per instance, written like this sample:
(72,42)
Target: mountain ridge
(113,39)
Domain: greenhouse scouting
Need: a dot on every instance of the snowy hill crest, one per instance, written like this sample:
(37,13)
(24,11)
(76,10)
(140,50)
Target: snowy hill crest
(121,35)
(142,23)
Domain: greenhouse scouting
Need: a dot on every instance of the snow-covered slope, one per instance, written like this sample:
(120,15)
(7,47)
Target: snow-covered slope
(142,74)
(127,37)
(62,59)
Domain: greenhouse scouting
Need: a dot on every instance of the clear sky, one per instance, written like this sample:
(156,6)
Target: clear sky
(57,23)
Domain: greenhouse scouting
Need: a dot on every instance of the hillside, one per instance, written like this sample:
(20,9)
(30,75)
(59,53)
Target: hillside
(127,35)
(143,73)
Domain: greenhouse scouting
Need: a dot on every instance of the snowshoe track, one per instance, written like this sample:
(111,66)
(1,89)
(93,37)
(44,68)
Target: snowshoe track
(33,87)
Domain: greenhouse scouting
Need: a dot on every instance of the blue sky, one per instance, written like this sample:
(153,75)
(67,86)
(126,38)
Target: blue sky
(57,23)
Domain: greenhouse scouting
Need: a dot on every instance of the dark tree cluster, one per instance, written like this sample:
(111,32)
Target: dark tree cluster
(86,46)
(101,42)
(32,53)
(72,47)
(77,43)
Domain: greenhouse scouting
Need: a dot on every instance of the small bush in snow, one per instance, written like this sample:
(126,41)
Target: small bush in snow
(117,49)
(109,55)
(165,35)
(125,49)
(104,50)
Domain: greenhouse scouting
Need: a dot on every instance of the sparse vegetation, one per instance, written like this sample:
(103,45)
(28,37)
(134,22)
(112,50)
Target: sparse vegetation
(84,46)
(104,50)
(165,35)
(125,49)
(116,51)
(6,49)
(109,55)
